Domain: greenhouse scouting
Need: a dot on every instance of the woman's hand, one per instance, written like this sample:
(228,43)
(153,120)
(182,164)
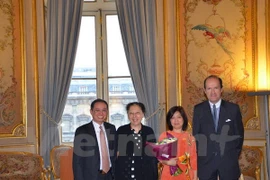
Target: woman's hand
(195,175)
(170,162)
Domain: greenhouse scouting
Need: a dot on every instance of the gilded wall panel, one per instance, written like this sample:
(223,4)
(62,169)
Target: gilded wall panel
(218,37)
(12,108)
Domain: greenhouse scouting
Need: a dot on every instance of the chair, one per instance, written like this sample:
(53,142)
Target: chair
(61,162)
(250,162)
(160,168)
(22,165)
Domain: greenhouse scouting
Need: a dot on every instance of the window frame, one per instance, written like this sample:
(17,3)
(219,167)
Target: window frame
(99,10)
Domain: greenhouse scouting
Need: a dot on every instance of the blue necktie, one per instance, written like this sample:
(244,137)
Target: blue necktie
(215,116)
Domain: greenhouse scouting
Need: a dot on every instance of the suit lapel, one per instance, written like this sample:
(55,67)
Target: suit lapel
(223,116)
(92,133)
(109,137)
(209,116)
(107,129)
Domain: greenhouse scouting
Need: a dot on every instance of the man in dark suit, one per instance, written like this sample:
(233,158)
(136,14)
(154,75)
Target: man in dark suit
(219,131)
(88,157)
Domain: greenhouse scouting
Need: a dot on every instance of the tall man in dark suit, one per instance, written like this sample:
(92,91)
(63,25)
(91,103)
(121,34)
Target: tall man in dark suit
(218,129)
(94,156)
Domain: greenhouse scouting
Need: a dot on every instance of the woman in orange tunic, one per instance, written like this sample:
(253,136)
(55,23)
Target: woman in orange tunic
(186,159)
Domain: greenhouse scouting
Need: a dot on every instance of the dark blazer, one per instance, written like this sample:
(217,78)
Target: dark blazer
(144,162)
(218,150)
(86,157)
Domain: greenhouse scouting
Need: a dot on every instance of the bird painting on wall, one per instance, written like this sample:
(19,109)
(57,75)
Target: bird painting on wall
(218,33)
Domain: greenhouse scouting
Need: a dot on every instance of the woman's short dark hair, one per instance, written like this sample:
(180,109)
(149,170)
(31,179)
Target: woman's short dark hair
(96,101)
(170,114)
(141,105)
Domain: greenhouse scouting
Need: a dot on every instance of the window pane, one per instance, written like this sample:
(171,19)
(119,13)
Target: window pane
(77,109)
(85,63)
(117,63)
(121,92)
(113,70)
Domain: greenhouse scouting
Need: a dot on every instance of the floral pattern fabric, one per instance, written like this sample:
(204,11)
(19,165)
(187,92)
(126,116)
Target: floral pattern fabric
(187,157)
(21,166)
(250,162)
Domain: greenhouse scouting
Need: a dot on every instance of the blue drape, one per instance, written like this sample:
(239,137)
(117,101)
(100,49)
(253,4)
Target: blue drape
(137,19)
(63,25)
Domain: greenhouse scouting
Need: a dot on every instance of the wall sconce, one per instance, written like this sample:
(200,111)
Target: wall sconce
(265,95)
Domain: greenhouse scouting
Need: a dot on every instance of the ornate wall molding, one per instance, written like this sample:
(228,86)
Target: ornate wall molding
(213,40)
(12,72)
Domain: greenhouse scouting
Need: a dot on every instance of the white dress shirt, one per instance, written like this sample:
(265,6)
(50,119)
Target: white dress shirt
(97,131)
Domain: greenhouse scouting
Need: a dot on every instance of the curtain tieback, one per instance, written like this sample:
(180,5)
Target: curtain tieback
(161,107)
(49,117)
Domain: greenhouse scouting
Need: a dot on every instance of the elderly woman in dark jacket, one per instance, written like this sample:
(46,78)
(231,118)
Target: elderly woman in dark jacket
(135,160)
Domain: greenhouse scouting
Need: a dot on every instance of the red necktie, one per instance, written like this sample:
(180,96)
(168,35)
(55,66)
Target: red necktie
(104,152)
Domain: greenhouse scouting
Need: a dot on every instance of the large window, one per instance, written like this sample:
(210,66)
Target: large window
(100,70)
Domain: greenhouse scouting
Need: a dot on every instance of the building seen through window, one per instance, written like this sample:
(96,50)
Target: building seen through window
(82,93)
(100,70)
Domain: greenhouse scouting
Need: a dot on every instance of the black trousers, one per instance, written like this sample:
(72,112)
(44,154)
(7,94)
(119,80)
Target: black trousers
(105,176)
